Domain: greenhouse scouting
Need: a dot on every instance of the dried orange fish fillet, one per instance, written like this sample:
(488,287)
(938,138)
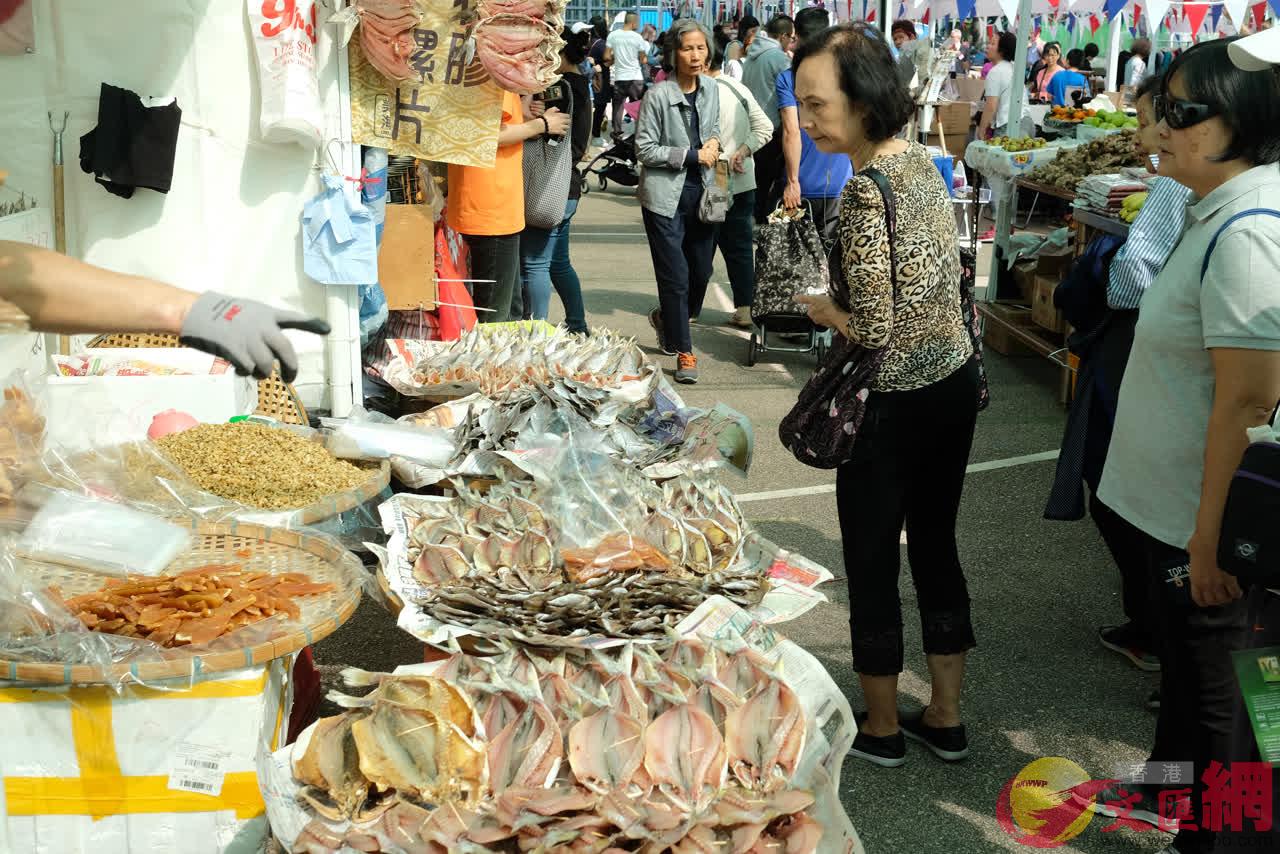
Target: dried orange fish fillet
(195,606)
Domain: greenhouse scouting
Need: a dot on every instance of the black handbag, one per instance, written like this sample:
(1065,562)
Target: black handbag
(1249,543)
(822,427)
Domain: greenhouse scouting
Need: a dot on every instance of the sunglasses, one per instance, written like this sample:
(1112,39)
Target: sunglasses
(1180,115)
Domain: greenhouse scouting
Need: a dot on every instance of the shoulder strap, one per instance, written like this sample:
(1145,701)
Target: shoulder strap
(736,94)
(1204,266)
(891,222)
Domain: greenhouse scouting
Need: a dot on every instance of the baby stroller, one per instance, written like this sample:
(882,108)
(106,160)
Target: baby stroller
(789,260)
(617,163)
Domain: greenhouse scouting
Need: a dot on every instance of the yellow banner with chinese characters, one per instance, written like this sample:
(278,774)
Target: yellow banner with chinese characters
(451,116)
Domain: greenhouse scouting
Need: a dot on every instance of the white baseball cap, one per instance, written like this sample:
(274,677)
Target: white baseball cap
(580,27)
(1257,52)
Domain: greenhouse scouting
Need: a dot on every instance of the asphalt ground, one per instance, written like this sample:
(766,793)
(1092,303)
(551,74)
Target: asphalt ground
(1038,684)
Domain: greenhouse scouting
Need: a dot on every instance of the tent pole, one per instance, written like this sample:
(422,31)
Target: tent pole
(1005,216)
(1113,52)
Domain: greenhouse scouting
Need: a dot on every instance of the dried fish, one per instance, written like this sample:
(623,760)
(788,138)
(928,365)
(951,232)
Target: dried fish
(627,785)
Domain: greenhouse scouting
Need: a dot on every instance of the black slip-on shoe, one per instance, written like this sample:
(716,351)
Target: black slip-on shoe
(949,743)
(888,751)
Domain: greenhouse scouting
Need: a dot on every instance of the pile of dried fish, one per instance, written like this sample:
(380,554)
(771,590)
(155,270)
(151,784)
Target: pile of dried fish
(552,414)
(690,751)
(192,607)
(504,561)
(504,359)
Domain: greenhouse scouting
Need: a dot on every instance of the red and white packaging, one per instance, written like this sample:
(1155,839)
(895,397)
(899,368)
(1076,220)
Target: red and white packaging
(284,37)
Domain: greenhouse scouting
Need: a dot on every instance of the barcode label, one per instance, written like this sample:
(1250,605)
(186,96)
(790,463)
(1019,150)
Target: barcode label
(197,768)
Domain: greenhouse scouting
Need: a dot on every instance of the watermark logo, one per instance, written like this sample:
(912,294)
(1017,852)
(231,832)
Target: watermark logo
(1048,803)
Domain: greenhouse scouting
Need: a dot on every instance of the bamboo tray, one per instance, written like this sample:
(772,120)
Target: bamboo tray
(317,511)
(270,549)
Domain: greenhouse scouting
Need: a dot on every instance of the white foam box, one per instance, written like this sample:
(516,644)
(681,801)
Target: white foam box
(159,769)
(83,412)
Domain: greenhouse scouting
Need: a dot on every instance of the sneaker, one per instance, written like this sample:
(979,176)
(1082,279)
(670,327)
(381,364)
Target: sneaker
(949,743)
(1152,702)
(686,368)
(1111,803)
(1119,639)
(693,320)
(888,751)
(987,236)
(741,317)
(655,320)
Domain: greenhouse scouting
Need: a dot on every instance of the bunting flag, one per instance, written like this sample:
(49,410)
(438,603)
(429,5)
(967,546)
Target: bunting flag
(1259,14)
(1275,8)
(925,19)
(1236,11)
(1156,12)
(965,9)
(1112,7)
(902,11)
(1071,24)
(871,17)
(1195,13)
(1094,23)
(1137,14)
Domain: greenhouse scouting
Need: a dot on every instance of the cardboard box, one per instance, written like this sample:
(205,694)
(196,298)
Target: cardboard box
(1024,276)
(970,88)
(997,337)
(88,411)
(1043,311)
(407,258)
(1054,266)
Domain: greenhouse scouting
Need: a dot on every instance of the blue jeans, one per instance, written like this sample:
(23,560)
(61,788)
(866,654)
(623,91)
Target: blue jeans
(544,261)
(683,248)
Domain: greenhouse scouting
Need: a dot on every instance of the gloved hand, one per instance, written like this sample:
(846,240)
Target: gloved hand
(246,333)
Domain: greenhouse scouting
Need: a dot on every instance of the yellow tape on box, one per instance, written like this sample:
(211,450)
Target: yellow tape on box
(147,770)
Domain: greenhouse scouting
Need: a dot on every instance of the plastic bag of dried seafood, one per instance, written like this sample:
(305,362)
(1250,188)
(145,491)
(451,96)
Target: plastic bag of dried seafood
(700,695)
(36,626)
(21,434)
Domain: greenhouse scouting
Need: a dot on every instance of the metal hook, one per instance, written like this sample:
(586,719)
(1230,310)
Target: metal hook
(333,163)
(57,135)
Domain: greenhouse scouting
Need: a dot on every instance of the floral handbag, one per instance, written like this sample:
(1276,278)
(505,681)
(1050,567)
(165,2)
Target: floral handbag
(822,427)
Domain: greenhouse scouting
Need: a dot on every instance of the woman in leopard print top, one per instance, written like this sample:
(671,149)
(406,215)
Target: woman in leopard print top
(908,461)
(923,327)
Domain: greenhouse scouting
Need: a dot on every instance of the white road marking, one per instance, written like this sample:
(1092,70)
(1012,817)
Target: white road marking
(826,488)
(722,298)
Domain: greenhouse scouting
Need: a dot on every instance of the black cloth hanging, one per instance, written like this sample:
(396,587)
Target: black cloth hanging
(133,145)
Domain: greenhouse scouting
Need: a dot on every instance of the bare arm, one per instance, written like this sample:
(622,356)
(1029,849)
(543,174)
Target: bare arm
(63,295)
(791,154)
(1246,388)
(988,116)
(513,133)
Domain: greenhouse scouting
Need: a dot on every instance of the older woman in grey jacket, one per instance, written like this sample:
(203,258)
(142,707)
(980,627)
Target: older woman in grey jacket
(678,144)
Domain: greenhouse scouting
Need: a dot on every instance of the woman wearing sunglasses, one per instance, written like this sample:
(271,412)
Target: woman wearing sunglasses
(1205,367)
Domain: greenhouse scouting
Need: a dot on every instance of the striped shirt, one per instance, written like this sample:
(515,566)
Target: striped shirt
(1152,236)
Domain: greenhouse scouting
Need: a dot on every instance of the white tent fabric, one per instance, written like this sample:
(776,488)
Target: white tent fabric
(231,220)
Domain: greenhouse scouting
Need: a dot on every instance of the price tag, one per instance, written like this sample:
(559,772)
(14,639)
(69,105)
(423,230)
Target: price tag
(198,769)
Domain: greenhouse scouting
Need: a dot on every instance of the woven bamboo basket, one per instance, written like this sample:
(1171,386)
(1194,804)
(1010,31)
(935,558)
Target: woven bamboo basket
(276,398)
(269,549)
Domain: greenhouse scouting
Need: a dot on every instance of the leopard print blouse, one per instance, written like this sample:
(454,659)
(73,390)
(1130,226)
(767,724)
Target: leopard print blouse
(926,336)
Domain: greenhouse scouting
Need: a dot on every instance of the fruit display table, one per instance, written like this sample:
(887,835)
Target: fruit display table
(995,162)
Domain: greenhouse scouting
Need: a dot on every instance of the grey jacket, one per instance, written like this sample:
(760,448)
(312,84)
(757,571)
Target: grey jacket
(663,145)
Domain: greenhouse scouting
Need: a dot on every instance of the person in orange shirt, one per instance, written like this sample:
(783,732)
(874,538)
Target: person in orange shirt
(486,206)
